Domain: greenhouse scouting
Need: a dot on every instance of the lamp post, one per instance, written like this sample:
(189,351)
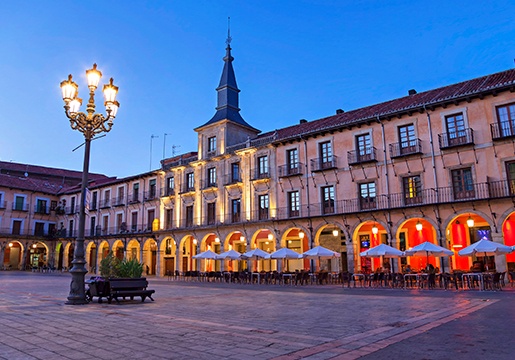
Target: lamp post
(90,124)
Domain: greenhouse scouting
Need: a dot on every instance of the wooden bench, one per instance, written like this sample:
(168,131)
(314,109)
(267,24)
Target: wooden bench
(122,288)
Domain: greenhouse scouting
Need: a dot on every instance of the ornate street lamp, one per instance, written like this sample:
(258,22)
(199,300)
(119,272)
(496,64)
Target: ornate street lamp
(90,124)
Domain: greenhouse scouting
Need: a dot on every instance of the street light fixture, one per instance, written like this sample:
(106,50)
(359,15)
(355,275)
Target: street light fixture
(90,124)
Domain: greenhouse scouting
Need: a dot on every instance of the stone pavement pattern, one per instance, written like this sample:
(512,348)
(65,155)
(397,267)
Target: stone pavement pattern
(228,321)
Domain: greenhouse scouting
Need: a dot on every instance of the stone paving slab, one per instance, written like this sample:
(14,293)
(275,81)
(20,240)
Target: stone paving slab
(192,320)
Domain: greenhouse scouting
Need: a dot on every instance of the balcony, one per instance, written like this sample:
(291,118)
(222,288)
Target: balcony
(458,138)
(405,148)
(232,179)
(362,156)
(207,184)
(150,195)
(134,198)
(43,210)
(294,169)
(322,164)
(119,201)
(260,174)
(502,130)
(105,203)
(72,210)
(167,192)
(20,207)
(185,188)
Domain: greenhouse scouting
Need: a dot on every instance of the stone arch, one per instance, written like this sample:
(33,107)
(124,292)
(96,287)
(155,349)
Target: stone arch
(148,256)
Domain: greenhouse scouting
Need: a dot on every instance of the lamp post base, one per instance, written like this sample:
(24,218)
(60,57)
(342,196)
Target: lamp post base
(77,294)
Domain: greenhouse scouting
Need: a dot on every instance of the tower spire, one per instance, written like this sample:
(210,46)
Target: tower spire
(228,92)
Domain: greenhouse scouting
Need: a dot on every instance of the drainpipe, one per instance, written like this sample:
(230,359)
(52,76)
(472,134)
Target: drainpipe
(435,177)
(310,224)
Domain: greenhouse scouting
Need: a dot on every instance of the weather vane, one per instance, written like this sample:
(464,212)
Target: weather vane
(228,41)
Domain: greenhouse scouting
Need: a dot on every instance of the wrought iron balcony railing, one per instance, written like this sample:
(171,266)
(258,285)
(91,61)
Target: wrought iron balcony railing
(405,148)
(321,164)
(458,138)
(362,156)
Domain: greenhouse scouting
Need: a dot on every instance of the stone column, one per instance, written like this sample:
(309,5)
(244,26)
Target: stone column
(500,260)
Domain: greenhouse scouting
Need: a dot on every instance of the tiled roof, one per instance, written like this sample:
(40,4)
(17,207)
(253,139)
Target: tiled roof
(461,91)
(30,184)
(43,170)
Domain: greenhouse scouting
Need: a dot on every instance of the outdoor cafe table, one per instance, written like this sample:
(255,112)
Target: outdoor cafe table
(358,277)
(471,277)
(289,276)
(255,274)
(415,276)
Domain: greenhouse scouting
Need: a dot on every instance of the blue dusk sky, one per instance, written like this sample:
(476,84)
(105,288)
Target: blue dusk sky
(293,60)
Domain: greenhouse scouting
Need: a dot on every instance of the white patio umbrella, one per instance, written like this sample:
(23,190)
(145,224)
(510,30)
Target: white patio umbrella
(319,252)
(285,253)
(255,254)
(427,248)
(229,255)
(383,251)
(485,248)
(208,254)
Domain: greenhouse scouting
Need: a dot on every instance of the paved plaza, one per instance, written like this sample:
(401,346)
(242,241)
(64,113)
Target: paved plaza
(193,320)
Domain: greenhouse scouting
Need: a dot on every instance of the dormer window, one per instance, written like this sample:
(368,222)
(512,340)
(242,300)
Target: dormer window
(211,145)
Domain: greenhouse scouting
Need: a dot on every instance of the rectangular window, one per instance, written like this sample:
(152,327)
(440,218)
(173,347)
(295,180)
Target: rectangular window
(39,229)
(327,194)
(53,203)
(235,172)
(70,228)
(292,161)
(19,203)
(169,218)
(170,185)
(211,144)
(407,139)
(293,204)
(105,225)
(41,206)
(121,196)
(72,206)
(119,222)
(455,125)
(326,154)
(189,216)
(16,227)
(263,207)
(190,181)
(462,183)
(151,214)
(107,199)
(152,188)
(134,221)
(94,200)
(412,190)
(364,147)
(367,195)
(135,192)
(92,224)
(510,171)
(211,213)
(2,205)
(211,177)
(506,119)
(235,210)
(263,171)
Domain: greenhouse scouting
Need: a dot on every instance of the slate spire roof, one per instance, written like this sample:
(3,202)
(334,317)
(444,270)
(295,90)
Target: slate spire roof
(228,102)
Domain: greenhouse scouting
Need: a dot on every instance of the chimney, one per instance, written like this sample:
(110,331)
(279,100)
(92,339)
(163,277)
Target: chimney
(412,92)
(303,121)
(339,111)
